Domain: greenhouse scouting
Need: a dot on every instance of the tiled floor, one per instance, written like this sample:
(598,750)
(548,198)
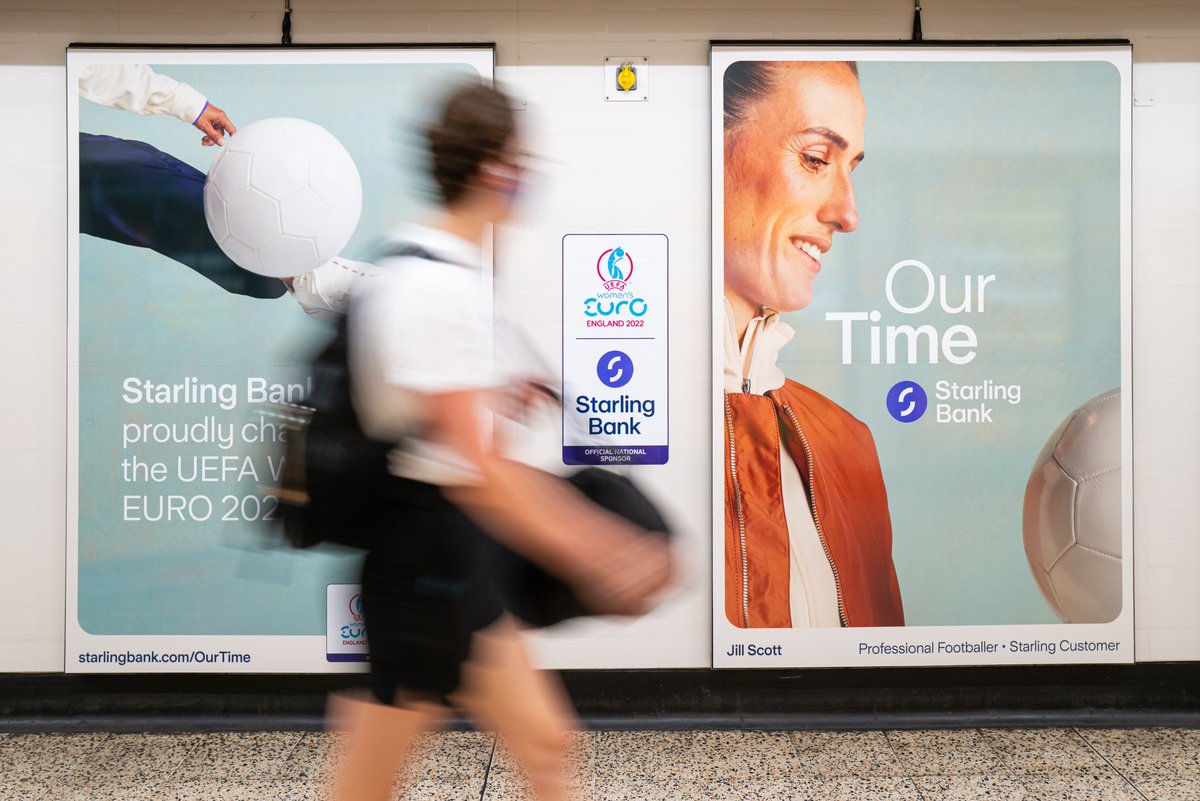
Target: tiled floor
(1005,764)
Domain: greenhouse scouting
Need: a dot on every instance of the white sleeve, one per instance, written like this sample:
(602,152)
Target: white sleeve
(413,339)
(137,88)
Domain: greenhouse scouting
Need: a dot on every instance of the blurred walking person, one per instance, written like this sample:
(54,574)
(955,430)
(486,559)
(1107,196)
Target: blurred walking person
(424,373)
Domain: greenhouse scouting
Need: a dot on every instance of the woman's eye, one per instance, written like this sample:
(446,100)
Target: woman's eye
(813,162)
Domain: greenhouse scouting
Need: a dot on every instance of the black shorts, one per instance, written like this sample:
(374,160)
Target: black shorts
(427,587)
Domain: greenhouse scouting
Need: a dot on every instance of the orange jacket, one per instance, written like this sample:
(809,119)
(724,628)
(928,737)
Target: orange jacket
(840,468)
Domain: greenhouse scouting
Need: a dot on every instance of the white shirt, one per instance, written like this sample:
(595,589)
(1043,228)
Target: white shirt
(812,588)
(137,88)
(419,328)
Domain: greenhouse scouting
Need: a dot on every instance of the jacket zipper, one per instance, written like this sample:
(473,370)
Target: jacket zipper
(741,518)
(837,581)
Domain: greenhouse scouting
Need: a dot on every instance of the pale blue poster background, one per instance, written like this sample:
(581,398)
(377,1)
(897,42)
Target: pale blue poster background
(1005,169)
(144,315)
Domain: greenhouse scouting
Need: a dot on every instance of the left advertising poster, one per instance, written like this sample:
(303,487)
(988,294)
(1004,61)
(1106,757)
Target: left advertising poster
(202,276)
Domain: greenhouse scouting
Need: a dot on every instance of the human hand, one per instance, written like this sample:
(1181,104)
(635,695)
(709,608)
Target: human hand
(627,573)
(532,394)
(522,399)
(215,124)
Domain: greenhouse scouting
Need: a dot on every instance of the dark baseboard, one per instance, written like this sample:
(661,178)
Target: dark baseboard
(1159,694)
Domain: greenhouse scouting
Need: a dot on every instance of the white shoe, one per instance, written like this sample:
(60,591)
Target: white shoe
(325,292)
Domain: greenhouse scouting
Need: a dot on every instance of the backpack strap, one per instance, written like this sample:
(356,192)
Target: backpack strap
(399,250)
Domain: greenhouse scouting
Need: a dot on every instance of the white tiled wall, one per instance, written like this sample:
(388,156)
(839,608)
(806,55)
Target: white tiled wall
(1166,330)
(537,40)
(32,369)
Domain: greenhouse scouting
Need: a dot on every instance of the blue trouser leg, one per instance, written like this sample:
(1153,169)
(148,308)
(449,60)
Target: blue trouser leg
(135,194)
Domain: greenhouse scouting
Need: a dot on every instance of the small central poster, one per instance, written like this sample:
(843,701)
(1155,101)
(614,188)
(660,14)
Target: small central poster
(615,355)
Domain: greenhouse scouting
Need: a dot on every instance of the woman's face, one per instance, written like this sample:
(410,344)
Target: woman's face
(505,175)
(787,183)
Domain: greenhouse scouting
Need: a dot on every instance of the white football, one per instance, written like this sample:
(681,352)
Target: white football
(282,197)
(1072,517)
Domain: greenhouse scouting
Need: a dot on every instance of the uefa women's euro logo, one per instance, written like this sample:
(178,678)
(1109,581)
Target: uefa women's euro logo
(356,608)
(615,268)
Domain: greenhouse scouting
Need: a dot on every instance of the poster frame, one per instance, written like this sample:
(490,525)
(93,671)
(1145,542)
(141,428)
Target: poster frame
(283,653)
(726,636)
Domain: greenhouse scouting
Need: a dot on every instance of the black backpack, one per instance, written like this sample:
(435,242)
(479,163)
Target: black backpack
(333,474)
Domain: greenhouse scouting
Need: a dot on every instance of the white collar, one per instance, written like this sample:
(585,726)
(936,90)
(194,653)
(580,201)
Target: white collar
(754,359)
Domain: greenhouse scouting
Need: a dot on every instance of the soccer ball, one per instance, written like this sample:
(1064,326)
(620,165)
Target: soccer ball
(1072,517)
(282,197)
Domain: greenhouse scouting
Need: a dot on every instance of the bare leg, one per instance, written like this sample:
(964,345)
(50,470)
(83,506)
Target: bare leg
(528,708)
(378,737)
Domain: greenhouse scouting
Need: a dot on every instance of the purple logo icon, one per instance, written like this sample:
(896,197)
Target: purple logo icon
(907,402)
(614,369)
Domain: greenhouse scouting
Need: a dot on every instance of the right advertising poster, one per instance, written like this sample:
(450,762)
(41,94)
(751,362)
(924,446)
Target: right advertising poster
(922,409)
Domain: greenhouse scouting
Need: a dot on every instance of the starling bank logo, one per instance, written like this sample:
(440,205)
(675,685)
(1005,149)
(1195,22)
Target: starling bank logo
(614,369)
(907,401)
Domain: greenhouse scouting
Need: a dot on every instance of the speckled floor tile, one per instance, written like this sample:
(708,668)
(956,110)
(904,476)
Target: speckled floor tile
(990,765)
(578,767)
(643,789)
(450,755)
(445,766)
(793,788)
(215,789)
(1042,750)
(861,788)
(1085,784)
(1104,740)
(971,788)
(438,760)
(45,757)
(136,761)
(18,790)
(944,753)
(744,755)
(115,791)
(514,786)
(651,789)
(724,755)
(1167,752)
(856,753)
(462,789)
(234,756)
(581,745)
(1166,788)
(636,754)
(314,758)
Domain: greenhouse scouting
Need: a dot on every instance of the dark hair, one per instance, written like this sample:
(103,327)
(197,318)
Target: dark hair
(477,124)
(747,82)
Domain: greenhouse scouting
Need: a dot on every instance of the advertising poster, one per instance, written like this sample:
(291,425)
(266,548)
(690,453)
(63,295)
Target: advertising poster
(922,416)
(178,354)
(615,349)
